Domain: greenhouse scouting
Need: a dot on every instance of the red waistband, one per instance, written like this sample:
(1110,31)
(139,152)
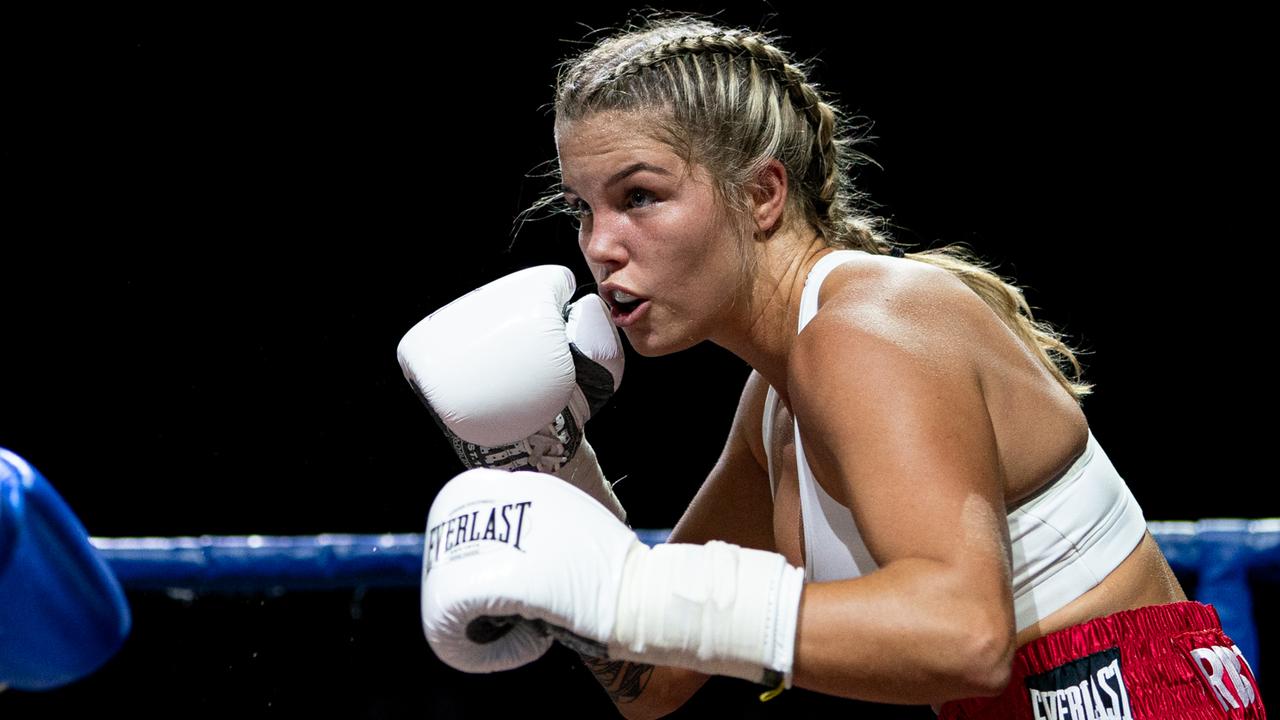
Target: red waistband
(1144,629)
(1160,661)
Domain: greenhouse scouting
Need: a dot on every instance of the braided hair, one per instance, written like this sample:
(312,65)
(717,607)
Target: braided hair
(731,101)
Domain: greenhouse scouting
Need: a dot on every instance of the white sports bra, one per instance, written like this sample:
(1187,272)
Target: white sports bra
(1066,538)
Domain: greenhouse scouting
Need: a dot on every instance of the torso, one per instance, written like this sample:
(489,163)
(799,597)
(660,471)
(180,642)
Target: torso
(1040,431)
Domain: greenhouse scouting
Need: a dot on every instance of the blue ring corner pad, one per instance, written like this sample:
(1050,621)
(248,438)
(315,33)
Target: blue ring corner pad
(63,613)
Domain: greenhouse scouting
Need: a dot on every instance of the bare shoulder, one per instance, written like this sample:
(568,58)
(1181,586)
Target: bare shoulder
(886,333)
(886,391)
(913,306)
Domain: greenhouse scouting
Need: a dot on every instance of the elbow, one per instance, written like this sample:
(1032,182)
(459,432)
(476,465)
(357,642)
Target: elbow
(991,666)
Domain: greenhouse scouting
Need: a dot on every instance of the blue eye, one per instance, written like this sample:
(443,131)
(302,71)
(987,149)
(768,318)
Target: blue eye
(639,192)
(578,209)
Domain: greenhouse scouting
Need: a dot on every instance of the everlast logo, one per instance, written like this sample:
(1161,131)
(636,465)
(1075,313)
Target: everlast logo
(499,523)
(1223,668)
(1085,689)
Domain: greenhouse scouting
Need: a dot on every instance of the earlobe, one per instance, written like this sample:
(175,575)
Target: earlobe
(770,195)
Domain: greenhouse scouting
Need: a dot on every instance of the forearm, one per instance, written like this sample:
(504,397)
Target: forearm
(644,691)
(904,634)
(583,472)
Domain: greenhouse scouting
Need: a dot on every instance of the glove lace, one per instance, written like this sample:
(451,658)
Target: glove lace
(547,450)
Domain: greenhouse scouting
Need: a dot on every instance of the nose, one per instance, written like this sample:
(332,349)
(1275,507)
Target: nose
(601,238)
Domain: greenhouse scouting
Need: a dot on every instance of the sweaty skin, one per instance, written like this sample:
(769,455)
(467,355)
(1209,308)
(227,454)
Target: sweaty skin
(649,224)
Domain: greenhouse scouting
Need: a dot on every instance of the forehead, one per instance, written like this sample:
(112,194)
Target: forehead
(591,149)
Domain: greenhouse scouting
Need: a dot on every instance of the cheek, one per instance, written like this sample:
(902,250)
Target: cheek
(596,269)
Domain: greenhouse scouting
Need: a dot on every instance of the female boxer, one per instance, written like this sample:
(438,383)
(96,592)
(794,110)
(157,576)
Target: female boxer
(910,508)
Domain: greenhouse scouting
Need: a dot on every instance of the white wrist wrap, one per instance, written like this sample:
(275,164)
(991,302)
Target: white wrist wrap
(716,608)
(583,472)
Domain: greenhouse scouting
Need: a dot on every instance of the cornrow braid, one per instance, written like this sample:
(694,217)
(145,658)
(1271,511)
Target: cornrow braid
(628,70)
(790,79)
(731,101)
(733,43)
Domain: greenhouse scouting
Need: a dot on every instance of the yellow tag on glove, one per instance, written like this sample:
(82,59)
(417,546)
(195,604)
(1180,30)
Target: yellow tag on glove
(767,696)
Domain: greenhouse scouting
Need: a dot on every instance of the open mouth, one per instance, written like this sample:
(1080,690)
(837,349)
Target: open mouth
(625,312)
(625,308)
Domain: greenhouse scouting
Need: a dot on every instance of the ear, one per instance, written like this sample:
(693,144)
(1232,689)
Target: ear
(769,196)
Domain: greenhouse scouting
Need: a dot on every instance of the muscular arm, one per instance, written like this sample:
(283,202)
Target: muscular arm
(895,426)
(732,505)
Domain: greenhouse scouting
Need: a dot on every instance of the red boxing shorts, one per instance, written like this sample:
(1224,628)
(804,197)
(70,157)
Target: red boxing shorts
(1162,662)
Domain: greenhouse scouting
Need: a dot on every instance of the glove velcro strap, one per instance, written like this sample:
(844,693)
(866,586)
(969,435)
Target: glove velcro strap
(716,608)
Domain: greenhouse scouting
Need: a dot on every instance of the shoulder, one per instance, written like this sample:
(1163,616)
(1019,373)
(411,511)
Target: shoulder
(886,387)
(890,347)
(877,307)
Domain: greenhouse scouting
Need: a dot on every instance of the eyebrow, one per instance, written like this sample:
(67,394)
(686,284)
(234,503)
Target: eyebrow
(625,173)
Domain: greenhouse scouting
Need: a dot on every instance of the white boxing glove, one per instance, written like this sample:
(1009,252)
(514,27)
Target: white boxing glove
(514,560)
(512,371)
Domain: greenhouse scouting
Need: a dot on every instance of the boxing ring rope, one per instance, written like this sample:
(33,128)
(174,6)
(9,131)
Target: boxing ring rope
(1225,555)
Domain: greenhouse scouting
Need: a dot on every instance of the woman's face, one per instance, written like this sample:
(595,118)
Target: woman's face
(650,224)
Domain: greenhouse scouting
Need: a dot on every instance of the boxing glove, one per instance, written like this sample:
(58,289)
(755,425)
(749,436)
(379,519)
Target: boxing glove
(62,612)
(514,560)
(512,371)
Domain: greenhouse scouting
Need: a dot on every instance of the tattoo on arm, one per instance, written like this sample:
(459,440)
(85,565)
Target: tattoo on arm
(624,681)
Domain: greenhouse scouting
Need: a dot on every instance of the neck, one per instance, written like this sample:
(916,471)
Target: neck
(763,328)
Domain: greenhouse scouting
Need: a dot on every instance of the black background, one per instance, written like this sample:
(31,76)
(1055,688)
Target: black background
(218,228)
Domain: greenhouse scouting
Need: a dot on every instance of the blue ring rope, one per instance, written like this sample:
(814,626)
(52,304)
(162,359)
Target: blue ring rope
(1224,554)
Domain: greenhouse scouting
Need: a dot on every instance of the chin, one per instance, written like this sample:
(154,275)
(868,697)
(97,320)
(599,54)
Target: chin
(655,349)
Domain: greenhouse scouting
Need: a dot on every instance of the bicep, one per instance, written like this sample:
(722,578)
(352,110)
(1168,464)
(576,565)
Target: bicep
(901,431)
(734,504)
